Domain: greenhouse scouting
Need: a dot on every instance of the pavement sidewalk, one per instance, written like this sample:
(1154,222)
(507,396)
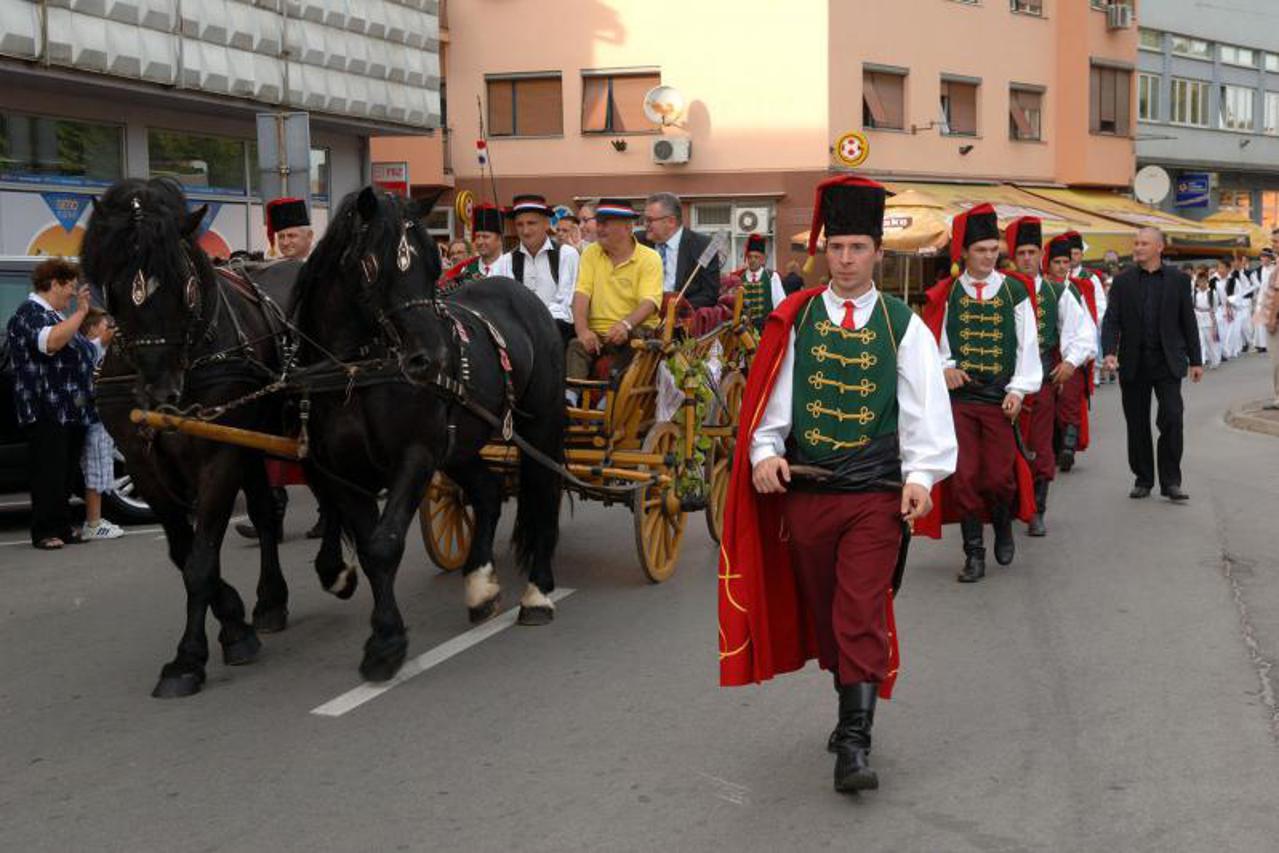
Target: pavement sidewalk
(1252,417)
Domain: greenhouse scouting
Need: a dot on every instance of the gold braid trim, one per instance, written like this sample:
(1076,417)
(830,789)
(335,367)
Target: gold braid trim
(815,436)
(862,416)
(865,387)
(863,335)
(864,361)
(982,334)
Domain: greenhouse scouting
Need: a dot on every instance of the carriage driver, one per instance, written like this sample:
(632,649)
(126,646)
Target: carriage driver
(288,228)
(848,384)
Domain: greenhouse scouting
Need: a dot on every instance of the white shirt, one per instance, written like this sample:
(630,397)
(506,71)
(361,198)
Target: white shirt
(925,427)
(670,262)
(558,298)
(1028,372)
(779,292)
(42,337)
(1076,332)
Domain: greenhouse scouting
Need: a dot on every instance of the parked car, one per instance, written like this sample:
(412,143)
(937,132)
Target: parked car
(121,505)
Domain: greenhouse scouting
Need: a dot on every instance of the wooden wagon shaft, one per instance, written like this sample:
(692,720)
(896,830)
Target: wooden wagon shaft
(618,474)
(582,455)
(276,445)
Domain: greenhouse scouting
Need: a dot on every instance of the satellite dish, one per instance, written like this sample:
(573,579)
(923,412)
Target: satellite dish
(1151,185)
(664,105)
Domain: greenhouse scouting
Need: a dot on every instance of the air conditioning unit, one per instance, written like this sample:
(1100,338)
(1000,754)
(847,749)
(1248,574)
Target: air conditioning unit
(750,220)
(671,150)
(1119,16)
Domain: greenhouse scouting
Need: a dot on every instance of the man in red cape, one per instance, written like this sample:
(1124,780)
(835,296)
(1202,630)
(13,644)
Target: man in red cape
(1073,433)
(845,428)
(984,323)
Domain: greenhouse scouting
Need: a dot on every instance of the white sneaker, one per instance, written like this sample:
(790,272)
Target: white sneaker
(103,530)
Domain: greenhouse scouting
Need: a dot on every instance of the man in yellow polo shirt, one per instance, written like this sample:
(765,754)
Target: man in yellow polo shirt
(619,289)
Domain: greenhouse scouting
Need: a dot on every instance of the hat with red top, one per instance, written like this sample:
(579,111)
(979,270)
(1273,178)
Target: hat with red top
(487,217)
(1058,247)
(283,213)
(1024,231)
(756,243)
(972,226)
(530,203)
(1076,239)
(844,206)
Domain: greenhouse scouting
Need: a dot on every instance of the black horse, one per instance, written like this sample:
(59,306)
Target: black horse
(188,337)
(367,295)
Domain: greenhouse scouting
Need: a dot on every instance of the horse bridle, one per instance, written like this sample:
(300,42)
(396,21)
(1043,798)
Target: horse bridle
(371,269)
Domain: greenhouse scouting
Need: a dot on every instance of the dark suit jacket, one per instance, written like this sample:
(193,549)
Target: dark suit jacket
(1121,328)
(704,291)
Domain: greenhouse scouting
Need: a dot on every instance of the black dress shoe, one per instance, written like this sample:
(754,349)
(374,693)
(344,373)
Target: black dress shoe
(1174,493)
(246,529)
(1139,492)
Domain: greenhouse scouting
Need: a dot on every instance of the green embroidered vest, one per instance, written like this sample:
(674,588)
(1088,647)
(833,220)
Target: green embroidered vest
(757,296)
(1047,319)
(983,335)
(845,381)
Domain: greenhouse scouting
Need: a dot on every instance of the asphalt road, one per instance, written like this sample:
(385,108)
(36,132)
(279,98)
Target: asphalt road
(1109,691)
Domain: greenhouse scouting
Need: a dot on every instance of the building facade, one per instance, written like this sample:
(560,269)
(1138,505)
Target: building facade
(106,89)
(1038,92)
(1208,104)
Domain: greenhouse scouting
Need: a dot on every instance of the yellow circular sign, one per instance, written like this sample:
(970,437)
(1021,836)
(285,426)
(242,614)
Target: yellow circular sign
(852,149)
(463,205)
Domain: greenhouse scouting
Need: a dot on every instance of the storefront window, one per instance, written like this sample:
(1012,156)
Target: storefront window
(37,149)
(213,164)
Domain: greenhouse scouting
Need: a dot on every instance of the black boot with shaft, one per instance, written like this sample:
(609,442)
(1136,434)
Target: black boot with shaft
(852,738)
(1036,525)
(1001,519)
(974,552)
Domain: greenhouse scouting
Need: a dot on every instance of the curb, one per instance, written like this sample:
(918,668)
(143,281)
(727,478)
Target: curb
(1249,416)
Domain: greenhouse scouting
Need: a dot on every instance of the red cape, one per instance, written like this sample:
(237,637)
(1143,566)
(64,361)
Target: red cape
(765,628)
(1089,292)
(943,505)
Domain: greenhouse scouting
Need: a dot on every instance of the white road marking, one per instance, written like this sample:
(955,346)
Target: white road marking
(727,791)
(367,691)
(135,531)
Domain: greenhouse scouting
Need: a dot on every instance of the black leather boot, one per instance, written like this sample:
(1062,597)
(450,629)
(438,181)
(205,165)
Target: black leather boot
(852,742)
(1069,441)
(834,735)
(974,552)
(1001,519)
(1036,526)
(279,505)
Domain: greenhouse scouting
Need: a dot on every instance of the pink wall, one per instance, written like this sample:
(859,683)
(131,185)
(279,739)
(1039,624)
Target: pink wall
(424,154)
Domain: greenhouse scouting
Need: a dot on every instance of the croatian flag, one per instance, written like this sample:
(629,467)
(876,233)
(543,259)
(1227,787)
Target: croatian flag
(482,151)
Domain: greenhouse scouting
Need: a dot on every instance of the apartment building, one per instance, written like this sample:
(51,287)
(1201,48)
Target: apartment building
(1033,92)
(1208,104)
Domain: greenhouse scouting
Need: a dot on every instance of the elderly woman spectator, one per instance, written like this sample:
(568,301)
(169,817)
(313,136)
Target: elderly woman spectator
(52,378)
(458,251)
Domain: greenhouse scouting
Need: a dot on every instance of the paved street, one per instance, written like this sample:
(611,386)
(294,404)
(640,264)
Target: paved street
(1110,691)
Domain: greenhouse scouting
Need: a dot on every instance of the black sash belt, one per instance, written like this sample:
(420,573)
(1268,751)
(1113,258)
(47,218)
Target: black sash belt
(877,467)
(990,391)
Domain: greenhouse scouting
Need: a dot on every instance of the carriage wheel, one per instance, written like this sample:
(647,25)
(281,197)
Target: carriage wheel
(659,520)
(719,461)
(448,523)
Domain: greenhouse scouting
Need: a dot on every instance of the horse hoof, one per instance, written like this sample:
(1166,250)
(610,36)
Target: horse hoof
(536,615)
(178,685)
(485,611)
(271,621)
(382,665)
(242,651)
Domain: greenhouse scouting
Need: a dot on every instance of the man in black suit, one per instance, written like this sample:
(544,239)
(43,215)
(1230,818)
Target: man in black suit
(1150,335)
(679,248)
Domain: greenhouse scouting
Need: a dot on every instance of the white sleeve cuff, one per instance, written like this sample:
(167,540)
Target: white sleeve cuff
(921,478)
(762,449)
(42,339)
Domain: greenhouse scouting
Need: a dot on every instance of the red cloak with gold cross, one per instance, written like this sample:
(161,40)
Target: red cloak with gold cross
(765,628)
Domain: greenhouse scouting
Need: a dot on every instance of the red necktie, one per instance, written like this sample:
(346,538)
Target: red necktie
(979,285)
(848,322)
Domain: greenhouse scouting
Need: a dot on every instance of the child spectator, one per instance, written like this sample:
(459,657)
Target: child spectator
(97,460)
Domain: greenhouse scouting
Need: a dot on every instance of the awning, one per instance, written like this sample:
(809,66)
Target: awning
(1184,236)
(1231,217)
(917,219)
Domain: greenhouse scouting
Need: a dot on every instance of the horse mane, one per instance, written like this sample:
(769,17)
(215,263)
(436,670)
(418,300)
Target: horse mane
(121,239)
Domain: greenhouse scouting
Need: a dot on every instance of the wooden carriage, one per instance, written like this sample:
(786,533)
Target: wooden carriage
(619,452)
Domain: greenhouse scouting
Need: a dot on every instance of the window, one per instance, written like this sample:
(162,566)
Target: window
(1148,97)
(525,106)
(1110,106)
(1240,200)
(1236,107)
(883,99)
(614,103)
(1238,56)
(320,170)
(1272,113)
(216,164)
(1186,46)
(54,150)
(1099,4)
(1025,113)
(1272,61)
(958,108)
(1189,102)
(1027,7)
(1150,39)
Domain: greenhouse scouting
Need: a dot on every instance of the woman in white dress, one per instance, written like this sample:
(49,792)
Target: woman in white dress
(1206,316)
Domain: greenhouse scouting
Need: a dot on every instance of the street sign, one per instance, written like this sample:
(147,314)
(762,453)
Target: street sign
(1193,189)
(1151,185)
(392,178)
(284,156)
(852,149)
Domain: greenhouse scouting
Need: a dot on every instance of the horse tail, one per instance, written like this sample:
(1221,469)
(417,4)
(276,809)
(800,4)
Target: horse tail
(537,515)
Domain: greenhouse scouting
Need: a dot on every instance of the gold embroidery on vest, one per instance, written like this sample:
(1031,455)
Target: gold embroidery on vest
(966,300)
(979,366)
(815,437)
(982,334)
(865,360)
(865,387)
(863,335)
(994,352)
(863,416)
(968,317)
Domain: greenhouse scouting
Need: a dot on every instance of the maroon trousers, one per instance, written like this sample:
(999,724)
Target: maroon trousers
(986,475)
(1070,399)
(843,550)
(1038,431)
